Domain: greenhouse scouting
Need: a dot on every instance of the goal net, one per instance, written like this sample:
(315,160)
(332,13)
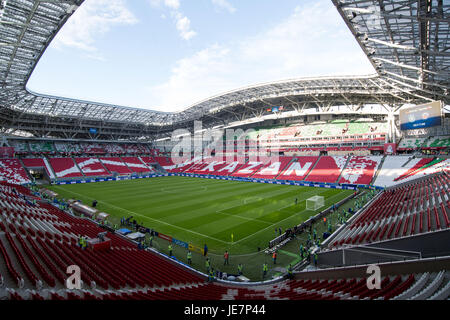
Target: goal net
(315,203)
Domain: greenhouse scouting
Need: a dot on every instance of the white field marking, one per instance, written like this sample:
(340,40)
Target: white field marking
(254,197)
(203,188)
(278,222)
(253,219)
(256,219)
(245,203)
(193,232)
(241,217)
(181,191)
(154,182)
(189,193)
(146,217)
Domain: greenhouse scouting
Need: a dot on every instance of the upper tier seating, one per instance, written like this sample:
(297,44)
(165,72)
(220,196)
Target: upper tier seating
(327,169)
(410,143)
(338,129)
(360,170)
(69,148)
(439,142)
(20,147)
(136,149)
(65,168)
(79,148)
(114,148)
(41,147)
(91,167)
(115,164)
(12,171)
(93,148)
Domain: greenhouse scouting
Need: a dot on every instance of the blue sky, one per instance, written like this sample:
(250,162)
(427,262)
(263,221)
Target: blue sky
(169,54)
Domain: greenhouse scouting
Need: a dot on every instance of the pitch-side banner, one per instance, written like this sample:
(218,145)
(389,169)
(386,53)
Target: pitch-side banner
(390,148)
(422,116)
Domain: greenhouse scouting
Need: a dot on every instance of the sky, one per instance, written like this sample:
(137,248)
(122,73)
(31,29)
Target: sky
(167,55)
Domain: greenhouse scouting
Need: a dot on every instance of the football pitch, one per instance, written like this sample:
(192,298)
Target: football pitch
(225,215)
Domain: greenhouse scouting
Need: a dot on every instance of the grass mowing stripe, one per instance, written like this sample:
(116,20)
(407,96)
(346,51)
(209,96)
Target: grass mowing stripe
(247,209)
(273,215)
(186,197)
(196,204)
(268,202)
(194,215)
(146,217)
(252,235)
(211,205)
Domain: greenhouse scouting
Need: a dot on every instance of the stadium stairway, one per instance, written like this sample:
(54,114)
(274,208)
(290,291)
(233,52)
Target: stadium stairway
(378,170)
(287,166)
(312,169)
(406,163)
(104,167)
(76,164)
(327,169)
(126,164)
(49,168)
(343,169)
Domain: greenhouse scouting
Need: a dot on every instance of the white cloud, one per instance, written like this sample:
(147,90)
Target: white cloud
(182,22)
(173,4)
(183,25)
(313,41)
(224,4)
(199,74)
(92,19)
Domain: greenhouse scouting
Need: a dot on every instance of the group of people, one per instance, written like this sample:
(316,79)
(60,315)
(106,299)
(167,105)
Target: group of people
(82,242)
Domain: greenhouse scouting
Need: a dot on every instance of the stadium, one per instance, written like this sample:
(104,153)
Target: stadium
(288,190)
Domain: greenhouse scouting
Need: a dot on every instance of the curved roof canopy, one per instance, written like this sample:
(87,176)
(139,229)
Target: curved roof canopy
(405,40)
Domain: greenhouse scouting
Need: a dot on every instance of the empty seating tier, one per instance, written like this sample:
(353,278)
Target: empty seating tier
(91,167)
(415,208)
(360,170)
(116,165)
(65,168)
(327,169)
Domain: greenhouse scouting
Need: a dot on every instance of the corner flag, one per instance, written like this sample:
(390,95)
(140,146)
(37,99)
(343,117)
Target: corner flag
(232,237)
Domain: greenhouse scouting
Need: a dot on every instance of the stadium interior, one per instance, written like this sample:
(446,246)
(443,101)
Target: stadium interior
(343,133)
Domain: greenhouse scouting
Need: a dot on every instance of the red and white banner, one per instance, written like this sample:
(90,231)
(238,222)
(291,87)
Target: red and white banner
(390,148)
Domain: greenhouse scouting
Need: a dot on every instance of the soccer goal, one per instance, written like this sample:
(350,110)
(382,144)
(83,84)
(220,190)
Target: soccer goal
(315,203)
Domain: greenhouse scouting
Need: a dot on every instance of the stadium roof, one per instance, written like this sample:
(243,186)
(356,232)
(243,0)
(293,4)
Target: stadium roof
(406,42)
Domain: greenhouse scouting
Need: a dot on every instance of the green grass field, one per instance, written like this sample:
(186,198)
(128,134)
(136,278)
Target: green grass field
(202,211)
